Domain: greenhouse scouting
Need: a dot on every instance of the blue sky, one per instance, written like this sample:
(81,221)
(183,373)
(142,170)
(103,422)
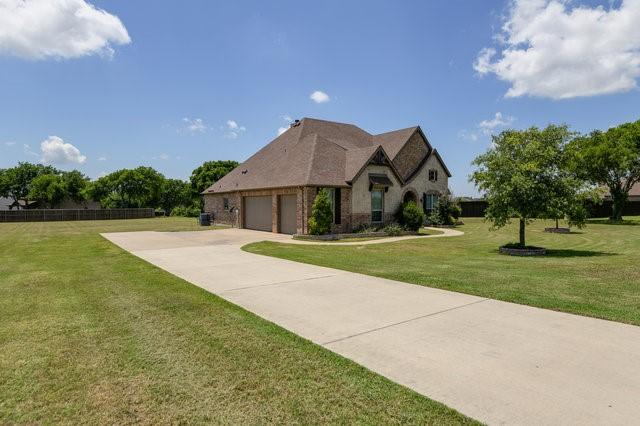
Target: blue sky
(205,80)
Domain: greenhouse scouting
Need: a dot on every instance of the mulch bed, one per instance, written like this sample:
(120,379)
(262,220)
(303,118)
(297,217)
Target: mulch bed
(524,251)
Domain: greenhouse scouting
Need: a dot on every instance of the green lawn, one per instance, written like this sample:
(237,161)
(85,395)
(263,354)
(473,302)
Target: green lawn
(594,271)
(91,334)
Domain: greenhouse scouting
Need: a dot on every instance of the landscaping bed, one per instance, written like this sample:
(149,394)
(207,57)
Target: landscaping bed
(517,250)
(353,235)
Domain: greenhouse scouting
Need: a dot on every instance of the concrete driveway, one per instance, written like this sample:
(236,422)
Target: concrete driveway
(497,362)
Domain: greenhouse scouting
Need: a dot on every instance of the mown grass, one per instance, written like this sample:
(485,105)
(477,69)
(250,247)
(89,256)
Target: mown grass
(594,271)
(91,334)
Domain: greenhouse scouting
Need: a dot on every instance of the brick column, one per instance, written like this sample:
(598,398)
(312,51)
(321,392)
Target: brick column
(274,213)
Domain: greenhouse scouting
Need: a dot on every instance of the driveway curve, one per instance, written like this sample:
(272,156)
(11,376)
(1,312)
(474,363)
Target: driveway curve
(498,362)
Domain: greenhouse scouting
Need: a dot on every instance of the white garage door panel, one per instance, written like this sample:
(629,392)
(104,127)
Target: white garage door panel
(288,214)
(257,213)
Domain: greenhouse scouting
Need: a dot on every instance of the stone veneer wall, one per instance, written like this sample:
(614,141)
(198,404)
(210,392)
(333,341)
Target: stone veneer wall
(411,155)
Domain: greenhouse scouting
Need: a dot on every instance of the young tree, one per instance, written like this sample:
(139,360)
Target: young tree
(610,158)
(524,175)
(208,173)
(49,190)
(321,215)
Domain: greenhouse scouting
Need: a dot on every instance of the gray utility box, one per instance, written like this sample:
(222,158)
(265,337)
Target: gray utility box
(205,219)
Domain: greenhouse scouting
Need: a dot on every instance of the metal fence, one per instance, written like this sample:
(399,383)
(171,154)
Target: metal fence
(49,215)
(476,208)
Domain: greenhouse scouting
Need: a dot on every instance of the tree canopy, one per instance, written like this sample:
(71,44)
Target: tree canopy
(610,158)
(211,171)
(128,188)
(15,182)
(125,188)
(525,175)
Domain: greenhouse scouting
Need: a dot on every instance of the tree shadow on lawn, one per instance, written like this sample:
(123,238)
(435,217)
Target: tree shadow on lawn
(562,253)
(613,222)
(577,253)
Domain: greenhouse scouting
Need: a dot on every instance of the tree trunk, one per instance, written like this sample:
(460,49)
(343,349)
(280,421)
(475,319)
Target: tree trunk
(522,241)
(619,201)
(557,223)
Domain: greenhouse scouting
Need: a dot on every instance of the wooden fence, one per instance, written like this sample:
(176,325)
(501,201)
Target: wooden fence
(48,215)
(476,208)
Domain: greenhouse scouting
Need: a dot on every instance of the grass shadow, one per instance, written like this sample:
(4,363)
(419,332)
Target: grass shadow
(613,222)
(577,253)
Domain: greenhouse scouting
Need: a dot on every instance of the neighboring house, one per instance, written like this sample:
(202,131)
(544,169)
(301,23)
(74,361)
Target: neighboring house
(4,203)
(634,193)
(67,203)
(23,204)
(368,177)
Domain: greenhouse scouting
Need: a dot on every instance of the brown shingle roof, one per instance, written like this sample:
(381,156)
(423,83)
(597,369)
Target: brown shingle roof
(314,152)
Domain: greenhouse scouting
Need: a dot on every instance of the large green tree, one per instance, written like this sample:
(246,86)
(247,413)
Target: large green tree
(208,173)
(15,182)
(128,188)
(175,193)
(49,190)
(610,158)
(525,175)
(75,185)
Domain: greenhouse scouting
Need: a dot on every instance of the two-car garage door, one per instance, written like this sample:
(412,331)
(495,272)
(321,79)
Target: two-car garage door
(257,213)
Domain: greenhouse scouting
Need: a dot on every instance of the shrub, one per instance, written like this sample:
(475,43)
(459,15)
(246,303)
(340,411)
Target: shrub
(412,216)
(321,214)
(446,212)
(393,229)
(185,211)
(365,228)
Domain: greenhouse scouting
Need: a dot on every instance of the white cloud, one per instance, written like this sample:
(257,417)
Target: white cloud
(319,97)
(288,119)
(498,121)
(487,127)
(233,129)
(554,49)
(27,150)
(193,126)
(163,157)
(9,143)
(471,136)
(56,151)
(37,29)
(102,158)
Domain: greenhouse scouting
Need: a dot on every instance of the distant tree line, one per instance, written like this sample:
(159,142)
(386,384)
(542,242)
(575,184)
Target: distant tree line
(124,188)
(552,173)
